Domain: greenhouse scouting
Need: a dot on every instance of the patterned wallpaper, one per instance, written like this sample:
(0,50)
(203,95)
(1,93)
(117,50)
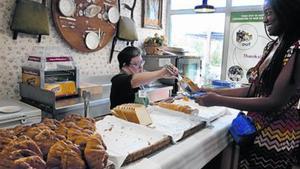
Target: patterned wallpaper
(13,53)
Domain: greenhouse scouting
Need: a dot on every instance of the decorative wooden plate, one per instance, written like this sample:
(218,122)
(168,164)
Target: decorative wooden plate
(89,16)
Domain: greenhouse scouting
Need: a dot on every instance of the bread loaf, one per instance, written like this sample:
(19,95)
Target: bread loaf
(176,107)
(193,87)
(132,112)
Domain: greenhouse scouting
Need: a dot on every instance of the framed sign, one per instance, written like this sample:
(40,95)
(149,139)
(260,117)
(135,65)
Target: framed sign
(152,14)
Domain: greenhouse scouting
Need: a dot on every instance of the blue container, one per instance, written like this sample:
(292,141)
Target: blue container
(221,84)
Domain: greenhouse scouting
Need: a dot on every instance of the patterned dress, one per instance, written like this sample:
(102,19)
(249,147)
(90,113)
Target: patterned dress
(277,145)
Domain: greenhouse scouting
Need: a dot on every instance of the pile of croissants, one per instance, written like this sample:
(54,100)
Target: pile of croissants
(71,143)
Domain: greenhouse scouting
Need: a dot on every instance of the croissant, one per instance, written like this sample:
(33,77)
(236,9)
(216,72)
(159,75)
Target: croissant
(65,155)
(19,130)
(23,142)
(86,124)
(31,162)
(45,139)
(22,158)
(17,154)
(6,136)
(95,154)
(72,160)
(72,118)
(33,131)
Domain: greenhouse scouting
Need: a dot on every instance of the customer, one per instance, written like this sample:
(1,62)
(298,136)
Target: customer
(127,83)
(273,95)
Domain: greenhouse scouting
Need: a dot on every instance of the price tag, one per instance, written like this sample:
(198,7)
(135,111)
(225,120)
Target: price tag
(164,61)
(142,93)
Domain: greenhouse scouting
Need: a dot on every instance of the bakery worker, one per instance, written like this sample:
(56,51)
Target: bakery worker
(130,80)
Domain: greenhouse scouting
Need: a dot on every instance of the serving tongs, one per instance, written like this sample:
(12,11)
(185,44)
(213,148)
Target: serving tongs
(184,85)
(86,102)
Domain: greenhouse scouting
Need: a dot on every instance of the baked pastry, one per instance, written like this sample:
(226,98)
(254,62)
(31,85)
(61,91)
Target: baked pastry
(31,162)
(33,131)
(81,122)
(86,124)
(6,136)
(45,139)
(14,158)
(19,130)
(65,155)
(176,107)
(72,118)
(23,142)
(95,154)
(62,144)
(53,124)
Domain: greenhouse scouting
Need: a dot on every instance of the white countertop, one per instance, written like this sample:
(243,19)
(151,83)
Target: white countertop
(193,152)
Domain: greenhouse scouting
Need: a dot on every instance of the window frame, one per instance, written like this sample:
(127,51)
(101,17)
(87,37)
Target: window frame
(227,10)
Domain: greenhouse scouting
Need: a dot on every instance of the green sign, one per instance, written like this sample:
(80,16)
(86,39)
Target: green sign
(252,16)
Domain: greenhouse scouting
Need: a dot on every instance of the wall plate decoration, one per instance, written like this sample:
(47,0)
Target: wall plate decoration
(76,27)
(67,7)
(92,40)
(113,15)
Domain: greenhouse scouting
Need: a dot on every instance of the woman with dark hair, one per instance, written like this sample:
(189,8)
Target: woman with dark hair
(127,83)
(272,98)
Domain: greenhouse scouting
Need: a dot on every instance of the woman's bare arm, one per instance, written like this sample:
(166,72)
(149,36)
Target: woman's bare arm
(143,78)
(280,95)
(235,92)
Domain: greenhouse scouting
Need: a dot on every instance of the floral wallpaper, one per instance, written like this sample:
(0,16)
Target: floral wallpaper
(14,53)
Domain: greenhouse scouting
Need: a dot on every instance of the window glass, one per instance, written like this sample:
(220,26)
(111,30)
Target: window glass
(200,35)
(247,2)
(190,4)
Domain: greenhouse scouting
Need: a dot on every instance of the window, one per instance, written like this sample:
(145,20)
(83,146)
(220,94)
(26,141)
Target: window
(203,37)
(247,2)
(203,34)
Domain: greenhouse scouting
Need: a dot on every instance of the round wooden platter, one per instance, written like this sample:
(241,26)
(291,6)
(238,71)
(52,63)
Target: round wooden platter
(74,29)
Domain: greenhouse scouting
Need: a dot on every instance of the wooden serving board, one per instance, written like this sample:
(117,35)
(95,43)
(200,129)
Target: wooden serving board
(74,29)
(148,150)
(193,130)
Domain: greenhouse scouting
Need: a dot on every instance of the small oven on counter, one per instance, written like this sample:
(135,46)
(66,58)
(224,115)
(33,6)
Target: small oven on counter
(57,74)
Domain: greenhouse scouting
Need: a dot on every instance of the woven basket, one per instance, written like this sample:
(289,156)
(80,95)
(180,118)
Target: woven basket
(153,50)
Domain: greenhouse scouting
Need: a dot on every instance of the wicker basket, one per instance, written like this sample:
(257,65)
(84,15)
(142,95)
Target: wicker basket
(153,50)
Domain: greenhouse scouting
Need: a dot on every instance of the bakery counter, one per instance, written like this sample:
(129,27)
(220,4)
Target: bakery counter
(195,151)
(99,104)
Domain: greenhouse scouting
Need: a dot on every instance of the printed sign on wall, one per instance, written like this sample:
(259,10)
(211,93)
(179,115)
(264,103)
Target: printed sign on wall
(246,43)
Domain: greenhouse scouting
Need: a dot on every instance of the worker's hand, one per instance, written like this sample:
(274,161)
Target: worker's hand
(206,89)
(208,99)
(169,71)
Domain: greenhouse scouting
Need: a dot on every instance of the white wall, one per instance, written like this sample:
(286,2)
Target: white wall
(13,53)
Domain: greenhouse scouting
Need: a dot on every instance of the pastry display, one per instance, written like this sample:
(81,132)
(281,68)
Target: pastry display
(176,107)
(67,144)
(132,112)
